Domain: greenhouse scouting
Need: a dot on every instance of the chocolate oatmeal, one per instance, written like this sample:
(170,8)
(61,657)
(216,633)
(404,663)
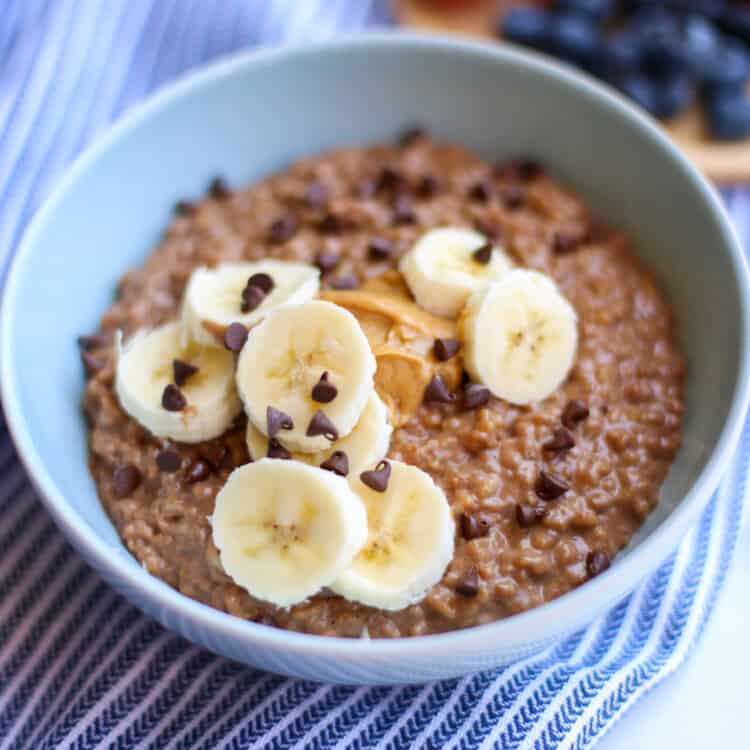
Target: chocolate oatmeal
(543,496)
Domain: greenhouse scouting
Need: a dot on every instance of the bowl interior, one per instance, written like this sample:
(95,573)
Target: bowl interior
(252,116)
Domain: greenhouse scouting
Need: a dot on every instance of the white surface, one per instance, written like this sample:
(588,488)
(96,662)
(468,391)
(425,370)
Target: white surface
(706,703)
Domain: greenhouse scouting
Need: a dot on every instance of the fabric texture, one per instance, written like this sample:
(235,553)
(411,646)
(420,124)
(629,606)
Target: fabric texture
(81,667)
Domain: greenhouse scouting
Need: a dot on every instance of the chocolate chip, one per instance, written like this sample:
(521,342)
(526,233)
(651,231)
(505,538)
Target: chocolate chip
(316,195)
(403,212)
(561,440)
(321,425)
(389,179)
(475,396)
(126,480)
(324,391)
(330,224)
(519,169)
(437,391)
(252,296)
(468,586)
(276,420)
(377,478)
(528,515)
(473,527)
(261,280)
(197,471)
(184,208)
(214,453)
(480,191)
(483,254)
(172,399)
(235,337)
(410,136)
(283,228)
(168,460)
(513,197)
(219,189)
(379,249)
(488,228)
(444,349)
(574,412)
(182,371)
(87,343)
(596,562)
(92,363)
(327,261)
(337,462)
(428,186)
(550,486)
(566,242)
(277,450)
(345,281)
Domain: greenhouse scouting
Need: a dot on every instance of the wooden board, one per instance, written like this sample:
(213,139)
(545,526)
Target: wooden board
(722,162)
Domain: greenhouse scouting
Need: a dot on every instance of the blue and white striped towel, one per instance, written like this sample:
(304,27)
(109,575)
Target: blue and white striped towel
(79,666)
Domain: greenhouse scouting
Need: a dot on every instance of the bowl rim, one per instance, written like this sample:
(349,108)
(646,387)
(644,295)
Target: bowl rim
(572,607)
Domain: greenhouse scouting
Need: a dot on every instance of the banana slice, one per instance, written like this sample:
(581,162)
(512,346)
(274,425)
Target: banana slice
(204,403)
(364,446)
(409,544)
(214,296)
(284,529)
(447,265)
(288,354)
(520,336)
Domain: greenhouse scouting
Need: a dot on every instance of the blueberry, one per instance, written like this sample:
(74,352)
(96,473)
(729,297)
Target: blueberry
(701,40)
(525,25)
(652,20)
(664,54)
(618,56)
(640,89)
(728,116)
(595,10)
(573,38)
(672,96)
(726,71)
(735,21)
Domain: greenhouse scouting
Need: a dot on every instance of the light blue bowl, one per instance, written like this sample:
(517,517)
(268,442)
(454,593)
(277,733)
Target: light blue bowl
(253,114)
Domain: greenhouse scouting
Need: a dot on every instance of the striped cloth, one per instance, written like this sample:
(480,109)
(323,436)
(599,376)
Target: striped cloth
(79,666)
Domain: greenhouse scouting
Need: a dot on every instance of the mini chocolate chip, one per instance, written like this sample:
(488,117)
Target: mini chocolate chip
(184,208)
(377,478)
(197,471)
(469,584)
(126,480)
(262,281)
(324,391)
(92,363)
(87,343)
(277,420)
(277,450)
(168,460)
(483,254)
(561,440)
(528,515)
(596,562)
(437,391)
(182,371)
(389,179)
(172,399)
(283,228)
(235,337)
(474,527)
(379,249)
(321,425)
(219,189)
(529,169)
(346,281)
(566,242)
(330,224)
(513,197)
(337,462)
(327,261)
(550,486)
(403,212)
(316,195)
(252,296)
(574,412)
(444,349)
(410,136)
(428,186)
(488,228)
(480,191)
(475,396)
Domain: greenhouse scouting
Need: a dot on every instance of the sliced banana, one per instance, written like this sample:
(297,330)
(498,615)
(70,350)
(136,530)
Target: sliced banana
(409,543)
(286,355)
(520,336)
(214,296)
(364,446)
(284,529)
(447,265)
(145,368)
